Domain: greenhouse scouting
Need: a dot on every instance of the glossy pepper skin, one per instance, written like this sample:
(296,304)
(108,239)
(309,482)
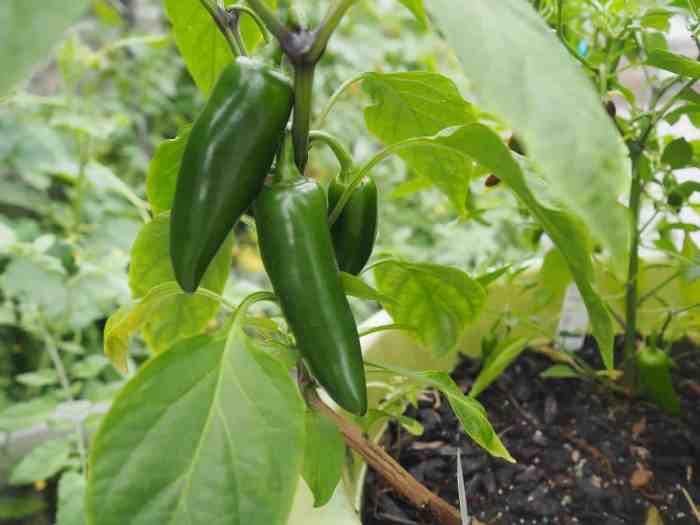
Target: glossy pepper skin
(355,230)
(297,251)
(654,367)
(226,159)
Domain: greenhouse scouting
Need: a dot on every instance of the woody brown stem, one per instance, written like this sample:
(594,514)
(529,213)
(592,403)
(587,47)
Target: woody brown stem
(387,467)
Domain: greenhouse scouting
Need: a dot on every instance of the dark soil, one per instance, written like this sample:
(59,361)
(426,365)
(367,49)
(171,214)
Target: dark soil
(585,455)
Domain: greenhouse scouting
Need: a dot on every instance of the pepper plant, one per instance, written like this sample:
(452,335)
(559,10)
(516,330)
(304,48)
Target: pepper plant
(225,419)
(611,41)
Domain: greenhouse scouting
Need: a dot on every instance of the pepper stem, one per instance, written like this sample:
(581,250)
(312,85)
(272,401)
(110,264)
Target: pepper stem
(303,95)
(347,165)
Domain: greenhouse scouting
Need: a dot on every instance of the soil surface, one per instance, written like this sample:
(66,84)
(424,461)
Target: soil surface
(585,455)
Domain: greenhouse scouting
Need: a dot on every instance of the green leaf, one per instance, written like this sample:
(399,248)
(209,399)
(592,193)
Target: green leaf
(210,432)
(678,154)
(43,377)
(521,73)
(507,352)
(324,457)
(437,300)
(130,318)
(489,278)
(657,19)
(560,372)
(21,507)
(674,63)
(37,280)
(567,233)
(179,316)
(163,172)
(23,415)
(71,499)
(200,42)
(469,411)
(30,29)
(356,287)
(418,104)
(418,9)
(90,367)
(43,462)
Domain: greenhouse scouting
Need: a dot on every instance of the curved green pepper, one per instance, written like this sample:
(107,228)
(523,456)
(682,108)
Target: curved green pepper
(227,157)
(655,379)
(355,230)
(297,251)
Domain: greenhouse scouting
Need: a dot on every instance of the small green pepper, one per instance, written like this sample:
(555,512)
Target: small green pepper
(225,163)
(297,252)
(355,231)
(655,379)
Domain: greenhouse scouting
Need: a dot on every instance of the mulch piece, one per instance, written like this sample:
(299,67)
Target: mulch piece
(585,455)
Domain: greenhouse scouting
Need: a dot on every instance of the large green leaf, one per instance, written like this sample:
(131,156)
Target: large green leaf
(211,433)
(200,42)
(163,172)
(419,104)
(469,411)
(438,301)
(568,234)
(677,64)
(29,30)
(521,73)
(324,457)
(180,316)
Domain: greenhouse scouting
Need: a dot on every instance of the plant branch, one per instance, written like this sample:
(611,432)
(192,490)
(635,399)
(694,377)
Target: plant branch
(567,44)
(335,96)
(324,32)
(366,168)
(651,293)
(220,17)
(632,285)
(63,379)
(301,123)
(341,153)
(268,16)
(387,467)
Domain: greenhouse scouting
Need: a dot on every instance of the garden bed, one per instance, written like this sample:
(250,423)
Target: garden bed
(584,455)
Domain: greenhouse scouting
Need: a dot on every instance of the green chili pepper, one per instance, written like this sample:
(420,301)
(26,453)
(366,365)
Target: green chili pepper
(355,230)
(655,379)
(227,157)
(297,251)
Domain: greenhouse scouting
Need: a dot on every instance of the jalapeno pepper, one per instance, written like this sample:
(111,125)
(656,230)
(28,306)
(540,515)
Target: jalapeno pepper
(355,230)
(297,252)
(228,155)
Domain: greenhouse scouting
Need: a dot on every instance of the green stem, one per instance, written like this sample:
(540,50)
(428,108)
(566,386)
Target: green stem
(345,160)
(282,165)
(657,289)
(377,159)
(301,124)
(267,15)
(334,98)
(562,37)
(241,9)
(632,290)
(220,17)
(63,379)
(387,327)
(327,28)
